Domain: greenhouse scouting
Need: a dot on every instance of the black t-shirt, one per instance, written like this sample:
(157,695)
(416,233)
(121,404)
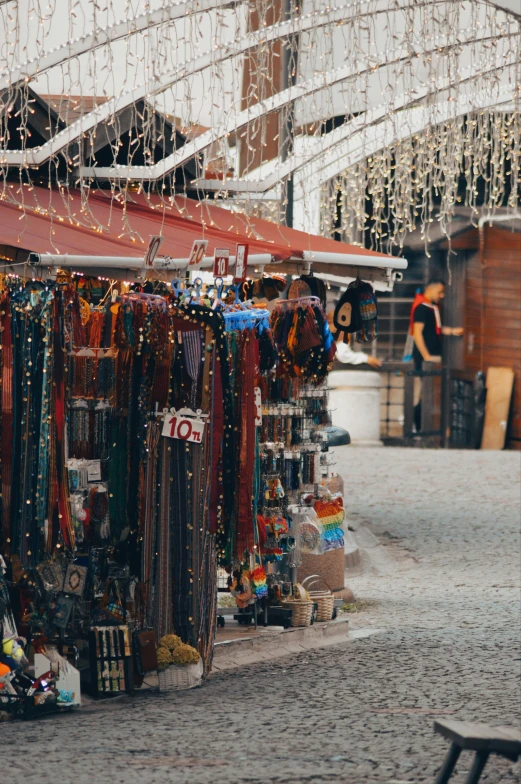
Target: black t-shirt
(425,315)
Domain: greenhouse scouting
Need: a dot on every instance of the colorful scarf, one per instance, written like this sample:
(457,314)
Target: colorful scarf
(421,299)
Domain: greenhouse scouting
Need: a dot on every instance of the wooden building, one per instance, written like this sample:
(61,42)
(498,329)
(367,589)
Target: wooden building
(482,270)
(488,286)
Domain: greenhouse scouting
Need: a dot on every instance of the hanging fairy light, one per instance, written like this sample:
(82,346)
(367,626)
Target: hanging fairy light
(276,101)
(472,161)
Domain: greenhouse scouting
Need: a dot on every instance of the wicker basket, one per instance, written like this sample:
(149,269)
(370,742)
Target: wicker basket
(177,677)
(325,602)
(301,611)
(324,599)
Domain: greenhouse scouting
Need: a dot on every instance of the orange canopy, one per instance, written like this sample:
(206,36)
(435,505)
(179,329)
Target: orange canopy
(59,222)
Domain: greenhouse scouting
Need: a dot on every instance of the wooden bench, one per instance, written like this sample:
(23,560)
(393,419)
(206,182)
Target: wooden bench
(484,740)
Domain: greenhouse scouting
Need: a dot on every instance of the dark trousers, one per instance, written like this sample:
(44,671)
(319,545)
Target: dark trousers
(418,416)
(418,364)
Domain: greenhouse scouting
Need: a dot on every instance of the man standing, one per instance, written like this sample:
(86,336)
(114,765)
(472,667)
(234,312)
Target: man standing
(426,329)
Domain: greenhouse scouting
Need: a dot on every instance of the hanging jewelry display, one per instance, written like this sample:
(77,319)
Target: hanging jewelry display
(133,491)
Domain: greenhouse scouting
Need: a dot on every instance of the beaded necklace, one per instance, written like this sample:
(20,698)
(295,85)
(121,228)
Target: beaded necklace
(246,382)
(181,316)
(62,509)
(45,419)
(95,328)
(148,526)
(6,443)
(118,474)
(165,578)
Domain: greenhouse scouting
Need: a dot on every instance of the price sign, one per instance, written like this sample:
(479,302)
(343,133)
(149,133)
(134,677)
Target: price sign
(184,428)
(94,471)
(221,260)
(153,247)
(197,253)
(258,407)
(241,262)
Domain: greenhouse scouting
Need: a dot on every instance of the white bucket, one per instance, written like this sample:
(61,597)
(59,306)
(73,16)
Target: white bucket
(354,401)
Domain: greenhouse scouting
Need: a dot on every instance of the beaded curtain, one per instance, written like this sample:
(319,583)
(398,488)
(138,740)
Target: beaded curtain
(161,506)
(471,161)
(35,336)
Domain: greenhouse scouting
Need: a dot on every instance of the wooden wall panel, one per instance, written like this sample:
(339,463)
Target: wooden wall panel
(493,311)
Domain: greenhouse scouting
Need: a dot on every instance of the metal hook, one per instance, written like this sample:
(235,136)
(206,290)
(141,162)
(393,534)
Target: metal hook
(219,285)
(198,284)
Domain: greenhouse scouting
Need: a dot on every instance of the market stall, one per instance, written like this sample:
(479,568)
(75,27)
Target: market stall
(152,432)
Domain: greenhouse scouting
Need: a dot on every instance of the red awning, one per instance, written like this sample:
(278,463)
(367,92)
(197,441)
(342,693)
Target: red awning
(57,222)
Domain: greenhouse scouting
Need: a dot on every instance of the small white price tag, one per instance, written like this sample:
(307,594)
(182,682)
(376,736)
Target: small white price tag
(153,246)
(197,254)
(221,259)
(94,471)
(258,407)
(241,262)
(184,427)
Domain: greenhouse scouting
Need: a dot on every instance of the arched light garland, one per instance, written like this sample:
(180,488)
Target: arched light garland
(137,72)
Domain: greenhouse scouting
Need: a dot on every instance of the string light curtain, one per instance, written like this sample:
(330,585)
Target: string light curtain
(472,161)
(267,103)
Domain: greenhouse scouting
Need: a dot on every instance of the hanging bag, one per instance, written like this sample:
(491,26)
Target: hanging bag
(347,317)
(368,313)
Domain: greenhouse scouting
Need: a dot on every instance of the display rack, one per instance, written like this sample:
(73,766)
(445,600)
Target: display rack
(110,660)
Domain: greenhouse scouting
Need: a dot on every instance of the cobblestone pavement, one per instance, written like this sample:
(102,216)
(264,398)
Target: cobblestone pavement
(445,589)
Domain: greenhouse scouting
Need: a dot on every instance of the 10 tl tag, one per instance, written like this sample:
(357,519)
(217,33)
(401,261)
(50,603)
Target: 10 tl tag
(185,424)
(221,260)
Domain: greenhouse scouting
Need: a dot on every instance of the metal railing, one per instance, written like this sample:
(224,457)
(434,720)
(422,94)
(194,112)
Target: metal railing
(447,405)
(433,402)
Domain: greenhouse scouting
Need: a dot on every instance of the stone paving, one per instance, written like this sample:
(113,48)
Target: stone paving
(444,587)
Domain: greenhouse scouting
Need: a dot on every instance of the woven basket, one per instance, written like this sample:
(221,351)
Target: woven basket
(325,602)
(177,677)
(301,611)
(324,599)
